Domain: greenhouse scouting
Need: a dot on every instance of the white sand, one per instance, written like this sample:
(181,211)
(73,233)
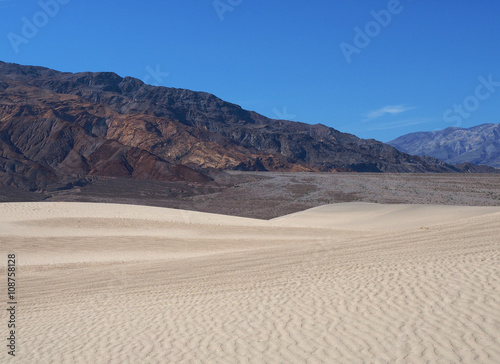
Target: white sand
(345,283)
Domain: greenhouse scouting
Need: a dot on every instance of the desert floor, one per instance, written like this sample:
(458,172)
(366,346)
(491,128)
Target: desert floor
(266,195)
(345,283)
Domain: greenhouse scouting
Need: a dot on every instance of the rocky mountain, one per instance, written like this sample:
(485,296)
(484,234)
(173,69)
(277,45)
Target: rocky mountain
(477,145)
(63,129)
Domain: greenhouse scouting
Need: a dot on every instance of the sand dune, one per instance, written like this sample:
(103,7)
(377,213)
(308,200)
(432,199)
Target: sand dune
(345,283)
(372,216)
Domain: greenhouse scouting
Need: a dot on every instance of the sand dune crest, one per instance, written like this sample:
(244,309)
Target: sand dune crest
(342,283)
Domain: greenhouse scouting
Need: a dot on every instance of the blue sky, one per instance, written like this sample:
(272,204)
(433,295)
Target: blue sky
(376,69)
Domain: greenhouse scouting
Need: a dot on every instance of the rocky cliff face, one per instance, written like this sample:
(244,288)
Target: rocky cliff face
(477,145)
(65,128)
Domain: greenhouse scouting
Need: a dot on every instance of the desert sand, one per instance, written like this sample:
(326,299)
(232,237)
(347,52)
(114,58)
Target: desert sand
(343,283)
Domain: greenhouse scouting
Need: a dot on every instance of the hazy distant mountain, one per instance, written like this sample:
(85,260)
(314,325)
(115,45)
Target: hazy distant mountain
(63,128)
(478,145)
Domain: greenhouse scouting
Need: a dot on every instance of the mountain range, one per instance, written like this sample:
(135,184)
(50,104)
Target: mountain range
(62,129)
(478,145)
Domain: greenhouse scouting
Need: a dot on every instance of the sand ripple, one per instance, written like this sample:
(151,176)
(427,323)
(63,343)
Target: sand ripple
(257,294)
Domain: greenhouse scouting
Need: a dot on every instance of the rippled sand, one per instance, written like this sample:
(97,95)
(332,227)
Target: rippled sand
(344,283)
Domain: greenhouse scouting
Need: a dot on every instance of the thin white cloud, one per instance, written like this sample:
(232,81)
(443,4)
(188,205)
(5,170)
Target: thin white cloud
(389,109)
(401,123)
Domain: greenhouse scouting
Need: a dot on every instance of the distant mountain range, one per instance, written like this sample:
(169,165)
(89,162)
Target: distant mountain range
(477,145)
(61,129)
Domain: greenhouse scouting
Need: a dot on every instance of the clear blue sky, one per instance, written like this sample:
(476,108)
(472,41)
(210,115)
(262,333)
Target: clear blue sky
(293,59)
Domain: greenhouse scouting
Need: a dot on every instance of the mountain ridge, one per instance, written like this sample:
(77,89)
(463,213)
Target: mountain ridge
(64,128)
(479,144)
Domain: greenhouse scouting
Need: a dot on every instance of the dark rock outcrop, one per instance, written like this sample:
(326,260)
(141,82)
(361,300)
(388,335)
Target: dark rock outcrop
(64,128)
